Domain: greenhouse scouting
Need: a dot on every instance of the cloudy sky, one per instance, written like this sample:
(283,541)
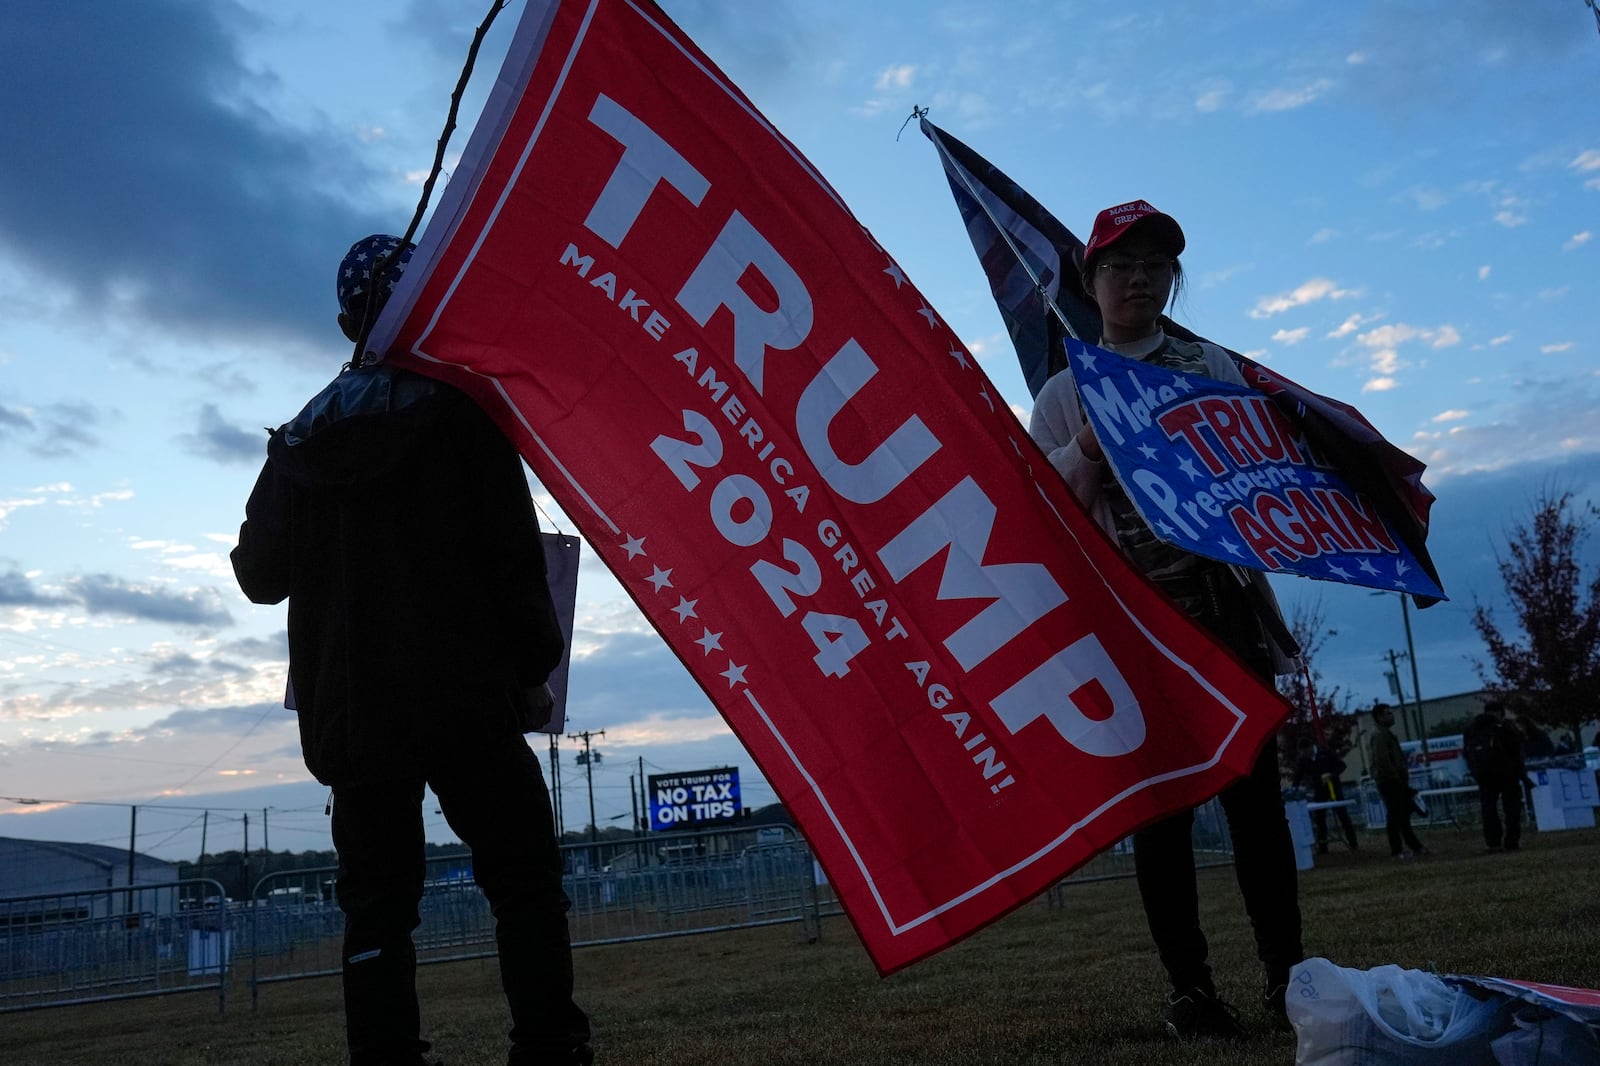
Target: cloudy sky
(1395,203)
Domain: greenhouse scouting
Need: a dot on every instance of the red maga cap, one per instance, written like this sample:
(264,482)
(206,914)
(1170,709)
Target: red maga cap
(1113,223)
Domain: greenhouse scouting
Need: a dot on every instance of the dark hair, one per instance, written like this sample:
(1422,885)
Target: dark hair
(1379,706)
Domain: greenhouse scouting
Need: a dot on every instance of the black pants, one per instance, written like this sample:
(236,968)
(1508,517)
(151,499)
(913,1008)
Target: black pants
(1263,862)
(1493,792)
(1263,852)
(1319,819)
(496,802)
(1397,805)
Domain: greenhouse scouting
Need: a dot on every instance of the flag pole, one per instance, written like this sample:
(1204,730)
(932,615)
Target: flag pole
(954,167)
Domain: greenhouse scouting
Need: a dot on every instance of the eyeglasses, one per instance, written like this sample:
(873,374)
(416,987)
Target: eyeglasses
(1154,266)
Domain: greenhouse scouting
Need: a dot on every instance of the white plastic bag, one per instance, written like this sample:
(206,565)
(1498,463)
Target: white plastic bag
(1388,1016)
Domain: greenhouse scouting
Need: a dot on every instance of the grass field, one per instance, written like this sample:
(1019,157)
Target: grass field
(1074,984)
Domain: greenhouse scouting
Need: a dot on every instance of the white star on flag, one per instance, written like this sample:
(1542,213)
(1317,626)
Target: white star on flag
(1337,569)
(927,312)
(1233,549)
(1182,383)
(709,641)
(660,578)
(685,609)
(634,546)
(735,674)
(1086,359)
(1368,568)
(896,273)
(1147,451)
(1187,467)
(959,356)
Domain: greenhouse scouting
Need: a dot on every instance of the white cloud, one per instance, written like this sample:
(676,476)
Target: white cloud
(1213,97)
(1383,345)
(1356,59)
(1556,293)
(1483,272)
(1512,212)
(1578,240)
(1291,336)
(1323,236)
(1288,99)
(1495,342)
(1348,326)
(1551,349)
(1587,161)
(1450,416)
(9,507)
(896,77)
(1427,199)
(1312,291)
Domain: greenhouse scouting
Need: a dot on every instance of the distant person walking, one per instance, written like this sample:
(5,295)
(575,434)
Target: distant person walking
(1393,778)
(1494,755)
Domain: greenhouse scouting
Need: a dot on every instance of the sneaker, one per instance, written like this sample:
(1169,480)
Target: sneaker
(1196,1014)
(1275,998)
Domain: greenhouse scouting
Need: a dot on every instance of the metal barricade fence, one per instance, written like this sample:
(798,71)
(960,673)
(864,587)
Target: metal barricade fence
(636,888)
(1212,847)
(114,943)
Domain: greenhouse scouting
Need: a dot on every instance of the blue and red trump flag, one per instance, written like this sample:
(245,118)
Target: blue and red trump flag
(789,460)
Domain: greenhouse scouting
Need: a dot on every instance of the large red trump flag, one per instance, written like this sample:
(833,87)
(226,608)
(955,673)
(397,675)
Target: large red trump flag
(802,477)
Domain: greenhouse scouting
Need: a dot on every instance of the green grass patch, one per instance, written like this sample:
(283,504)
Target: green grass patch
(1078,983)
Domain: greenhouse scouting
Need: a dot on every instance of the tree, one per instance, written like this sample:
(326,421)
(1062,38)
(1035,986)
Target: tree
(1553,675)
(1305,689)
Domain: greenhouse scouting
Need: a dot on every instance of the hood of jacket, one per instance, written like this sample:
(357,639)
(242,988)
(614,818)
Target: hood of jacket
(363,425)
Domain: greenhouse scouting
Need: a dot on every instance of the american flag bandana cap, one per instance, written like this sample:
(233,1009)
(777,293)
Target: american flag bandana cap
(355,284)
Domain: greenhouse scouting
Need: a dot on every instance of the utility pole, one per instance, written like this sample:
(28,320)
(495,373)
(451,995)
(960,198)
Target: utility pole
(589,758)
(1399,689)
(555,787)
(266,848)
(205,821)
(246,856)
(133,836)
(1416,686)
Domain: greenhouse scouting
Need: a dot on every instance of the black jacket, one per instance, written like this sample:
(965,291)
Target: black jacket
(1493,748)
(394,516)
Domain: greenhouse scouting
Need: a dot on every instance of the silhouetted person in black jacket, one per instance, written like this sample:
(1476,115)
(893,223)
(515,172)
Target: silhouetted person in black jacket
(1494,755)
(395,518)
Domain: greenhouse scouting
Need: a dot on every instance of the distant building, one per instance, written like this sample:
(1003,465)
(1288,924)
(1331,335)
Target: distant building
(48,867)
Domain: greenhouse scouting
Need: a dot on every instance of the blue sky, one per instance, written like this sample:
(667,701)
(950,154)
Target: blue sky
(1394,203)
